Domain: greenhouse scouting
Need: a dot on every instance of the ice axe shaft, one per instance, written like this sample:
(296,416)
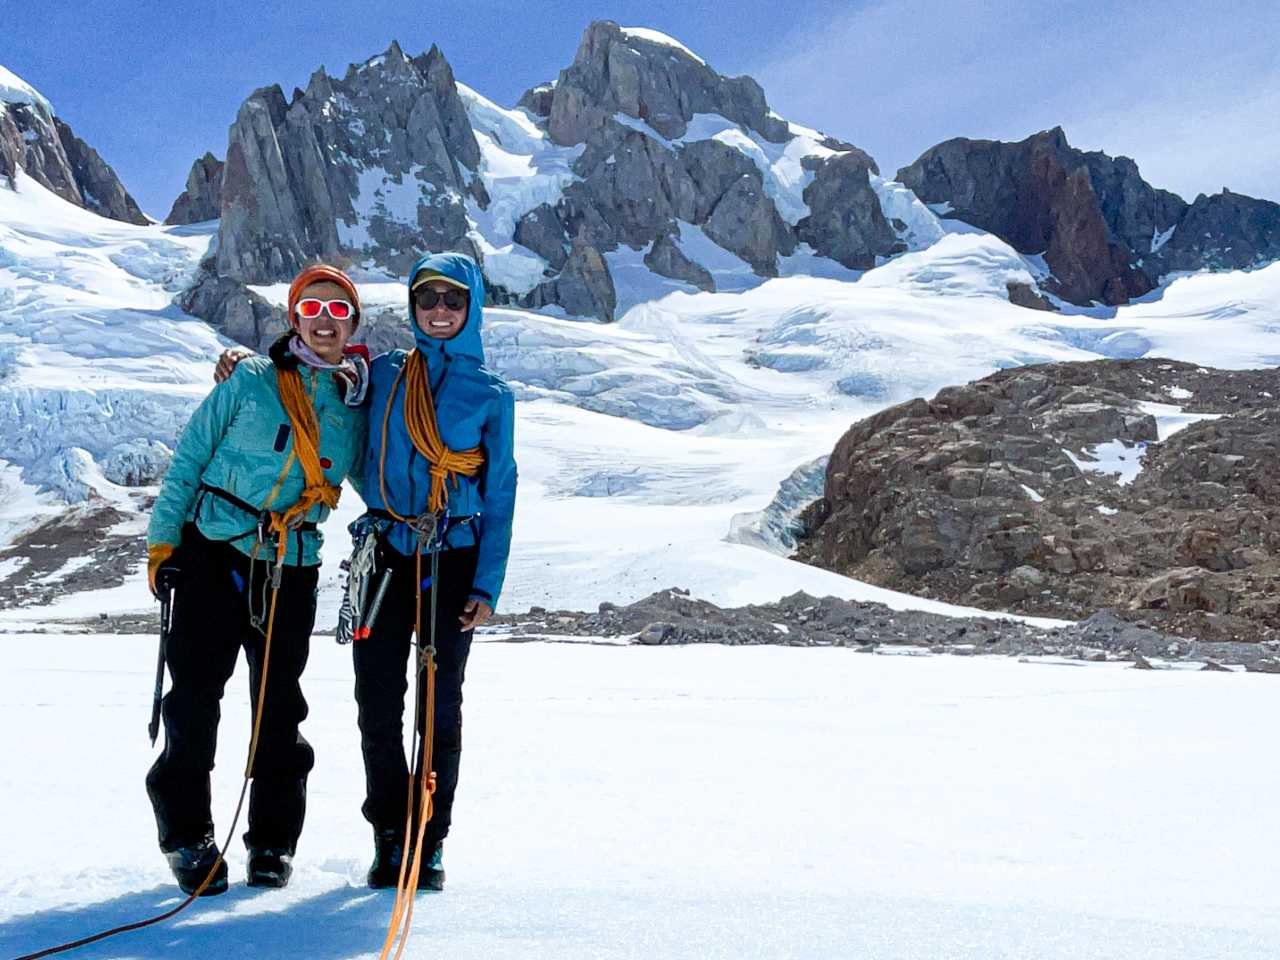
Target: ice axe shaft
(153,728)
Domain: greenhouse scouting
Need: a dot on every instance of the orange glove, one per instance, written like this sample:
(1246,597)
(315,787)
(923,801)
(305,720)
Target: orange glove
(157,554)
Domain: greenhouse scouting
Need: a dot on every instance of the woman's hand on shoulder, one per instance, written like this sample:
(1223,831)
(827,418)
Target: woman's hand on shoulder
(227,362)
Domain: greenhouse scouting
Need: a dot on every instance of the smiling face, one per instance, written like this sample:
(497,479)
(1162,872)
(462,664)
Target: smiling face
(323,334)
(441,322)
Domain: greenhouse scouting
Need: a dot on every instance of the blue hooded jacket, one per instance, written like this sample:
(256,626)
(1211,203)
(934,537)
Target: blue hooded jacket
(474,408)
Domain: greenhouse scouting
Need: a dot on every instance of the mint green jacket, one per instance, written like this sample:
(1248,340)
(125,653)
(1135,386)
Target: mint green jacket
(238,440)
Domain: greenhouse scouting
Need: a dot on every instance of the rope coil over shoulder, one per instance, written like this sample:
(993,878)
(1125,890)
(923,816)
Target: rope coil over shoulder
(445,465)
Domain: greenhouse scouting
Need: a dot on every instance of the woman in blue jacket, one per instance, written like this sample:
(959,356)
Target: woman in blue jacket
(440,443)
(256,470)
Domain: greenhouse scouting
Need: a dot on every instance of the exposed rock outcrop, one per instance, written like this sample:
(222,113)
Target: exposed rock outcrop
(984,496)
(44,147)
(673,617)
(1105,233)
(202,200)
(233,310)
(1226,231)
(584,287)
(629,98)
(667,259)
(384,164)
(1036,195)
(847,223)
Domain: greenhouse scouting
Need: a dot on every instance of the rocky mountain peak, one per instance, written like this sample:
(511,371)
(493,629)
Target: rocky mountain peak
(44,147)
(651,77)
(293,190)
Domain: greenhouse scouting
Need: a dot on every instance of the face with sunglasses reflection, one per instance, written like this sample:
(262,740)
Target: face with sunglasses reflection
(440,309)
(323,333)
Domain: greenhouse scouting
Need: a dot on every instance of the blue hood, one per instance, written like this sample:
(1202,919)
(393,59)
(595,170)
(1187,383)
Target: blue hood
(466,343)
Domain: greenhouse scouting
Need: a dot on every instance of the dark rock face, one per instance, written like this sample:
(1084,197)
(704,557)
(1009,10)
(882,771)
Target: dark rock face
(668,260)
(617,72)
(46,149)
(1038,196)
(292,170)
(537,100)
(584,287)
(1024,295)
(29,142)
(233,310)
(202,200)
(847,223)
(1105,233)
(100,189)
(1227,231)
(746,223)
(972,497)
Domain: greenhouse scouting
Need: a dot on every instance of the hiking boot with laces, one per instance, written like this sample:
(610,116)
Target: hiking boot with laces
(190,865)
(269,868)
(388,854)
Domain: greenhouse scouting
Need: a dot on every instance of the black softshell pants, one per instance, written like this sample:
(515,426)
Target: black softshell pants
(382,682)
(210,627)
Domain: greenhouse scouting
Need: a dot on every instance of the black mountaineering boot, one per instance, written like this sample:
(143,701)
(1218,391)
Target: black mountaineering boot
(431,876)
(269,868)
(190,865)
(388,852)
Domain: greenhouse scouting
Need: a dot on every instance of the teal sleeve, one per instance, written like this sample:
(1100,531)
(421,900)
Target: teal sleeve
(200,438)
(499,491)
(357,476)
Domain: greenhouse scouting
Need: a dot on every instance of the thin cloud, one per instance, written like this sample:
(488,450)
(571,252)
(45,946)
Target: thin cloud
(1190,96)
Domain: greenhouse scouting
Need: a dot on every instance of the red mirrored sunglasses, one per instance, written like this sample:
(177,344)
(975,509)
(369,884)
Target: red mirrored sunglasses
(310,308)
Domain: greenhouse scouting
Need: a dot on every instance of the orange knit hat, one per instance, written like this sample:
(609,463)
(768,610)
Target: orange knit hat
(322,273)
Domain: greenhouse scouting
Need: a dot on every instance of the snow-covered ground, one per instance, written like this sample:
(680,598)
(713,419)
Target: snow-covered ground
(691,802)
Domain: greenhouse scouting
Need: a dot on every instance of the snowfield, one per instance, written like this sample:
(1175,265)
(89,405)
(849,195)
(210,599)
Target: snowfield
(635,802)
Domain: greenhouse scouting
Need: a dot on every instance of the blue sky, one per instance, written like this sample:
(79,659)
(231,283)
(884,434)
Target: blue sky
(1191,95)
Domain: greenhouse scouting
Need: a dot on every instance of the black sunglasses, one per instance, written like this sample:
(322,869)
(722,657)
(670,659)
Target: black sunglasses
(424,298)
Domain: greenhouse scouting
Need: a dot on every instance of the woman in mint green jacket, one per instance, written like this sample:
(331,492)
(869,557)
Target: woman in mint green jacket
(215,536)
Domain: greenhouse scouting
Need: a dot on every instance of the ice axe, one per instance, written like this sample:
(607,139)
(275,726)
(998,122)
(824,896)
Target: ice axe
(164,582)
